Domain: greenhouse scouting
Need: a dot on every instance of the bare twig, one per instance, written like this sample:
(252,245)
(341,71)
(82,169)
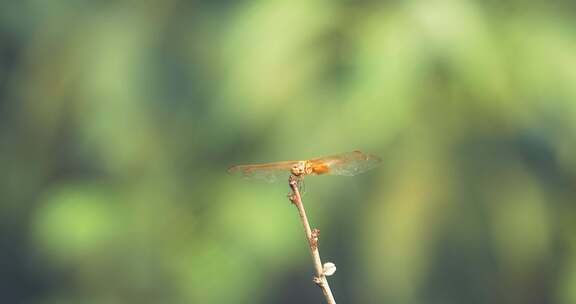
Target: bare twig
(312,236)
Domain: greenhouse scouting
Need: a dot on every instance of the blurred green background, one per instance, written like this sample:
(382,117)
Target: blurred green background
(119,119)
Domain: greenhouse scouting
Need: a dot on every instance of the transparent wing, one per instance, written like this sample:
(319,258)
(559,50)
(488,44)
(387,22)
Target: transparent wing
(348,164)
(269,172)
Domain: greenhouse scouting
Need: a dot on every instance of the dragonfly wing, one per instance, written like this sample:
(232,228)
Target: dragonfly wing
(270,172)
(350,164)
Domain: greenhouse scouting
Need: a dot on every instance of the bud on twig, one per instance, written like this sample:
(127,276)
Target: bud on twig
(329,269)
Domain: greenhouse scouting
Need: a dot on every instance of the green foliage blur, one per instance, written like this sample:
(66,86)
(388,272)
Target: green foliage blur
(118,120)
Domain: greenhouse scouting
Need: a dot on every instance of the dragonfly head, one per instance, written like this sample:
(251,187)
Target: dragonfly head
(302,168)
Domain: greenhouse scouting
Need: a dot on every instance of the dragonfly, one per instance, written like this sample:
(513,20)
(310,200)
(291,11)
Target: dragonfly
(345,164)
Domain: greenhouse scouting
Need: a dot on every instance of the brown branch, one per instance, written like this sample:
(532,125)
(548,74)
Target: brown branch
(312,236)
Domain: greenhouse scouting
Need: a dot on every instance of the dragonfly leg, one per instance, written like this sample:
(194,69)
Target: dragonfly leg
(291,195)
(299,182)
(301,186)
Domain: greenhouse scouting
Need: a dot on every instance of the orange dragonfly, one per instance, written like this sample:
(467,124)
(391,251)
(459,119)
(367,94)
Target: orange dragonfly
(346,164)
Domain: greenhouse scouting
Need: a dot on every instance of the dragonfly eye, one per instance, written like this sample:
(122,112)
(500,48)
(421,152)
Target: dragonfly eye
(298,169)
